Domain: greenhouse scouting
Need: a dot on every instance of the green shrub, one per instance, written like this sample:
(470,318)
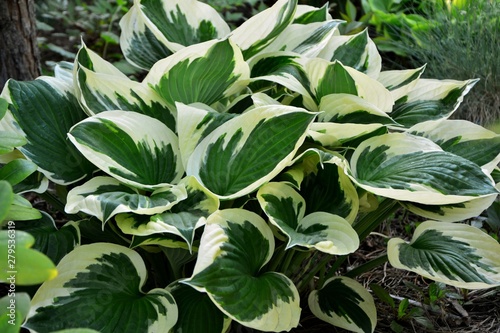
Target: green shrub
(229,186)
(455,40)
(462,43)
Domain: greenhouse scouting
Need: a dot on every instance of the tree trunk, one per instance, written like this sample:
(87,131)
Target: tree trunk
(19,55)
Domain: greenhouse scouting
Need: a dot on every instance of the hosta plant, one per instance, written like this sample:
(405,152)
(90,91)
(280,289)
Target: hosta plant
(228,187)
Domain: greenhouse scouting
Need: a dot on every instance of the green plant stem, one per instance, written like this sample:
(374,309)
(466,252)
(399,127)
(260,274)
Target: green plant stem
(277,258)
(367,266)
(288,259)
(310,275)
(298,262)
(372,220)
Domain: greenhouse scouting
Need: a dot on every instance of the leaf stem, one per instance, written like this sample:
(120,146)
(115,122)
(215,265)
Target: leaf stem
(372,220)
(367,266)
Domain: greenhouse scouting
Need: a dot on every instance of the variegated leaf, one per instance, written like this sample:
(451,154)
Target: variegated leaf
(156,28)
(167,240)
(452,212)
(136,149)
(197,312)
(400,82)
(346,135)
(344,303)
(235,245)
(320,230)
(36,182)
(284,68)
(102,89)
(411,168)
(431,99)
(249,150)
(305,163)
(334,78)
(47,103)
(202,73)
(182,219)
(329,189)
(104,197)
(463,138)
(456,254)
(99,287)
(194,124)
(305,14)
(347,108)
(357,51)
(261,29)
(307,40)
(141,42)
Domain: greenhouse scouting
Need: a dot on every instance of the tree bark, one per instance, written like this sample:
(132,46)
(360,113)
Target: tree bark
(19,54)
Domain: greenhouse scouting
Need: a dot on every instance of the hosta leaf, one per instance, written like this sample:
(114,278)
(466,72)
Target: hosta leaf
(357,51)
(49,103)
(330,190)
(194,124)
(308,14)
(346,135)
(136,149)
(431,100)
(411,168)
(334,78)
(305,163)
(182,219)
(36,182)
(92,231)
(141,45)
(456,254)
(168,240)
(307,40)
(235,245)
(452,212)
(28,266)
(257,32)
(174,24)
(99,287)
(329,78)
(104,197)
(53,242)
(4,106)
(17,170)
(472,142)
(324,231)
(197,312)
(347,108)
(203,73)
(63,70)
(107,90)
(249,150)
(344,303)
(14,309)
(400,82)
(284,68)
